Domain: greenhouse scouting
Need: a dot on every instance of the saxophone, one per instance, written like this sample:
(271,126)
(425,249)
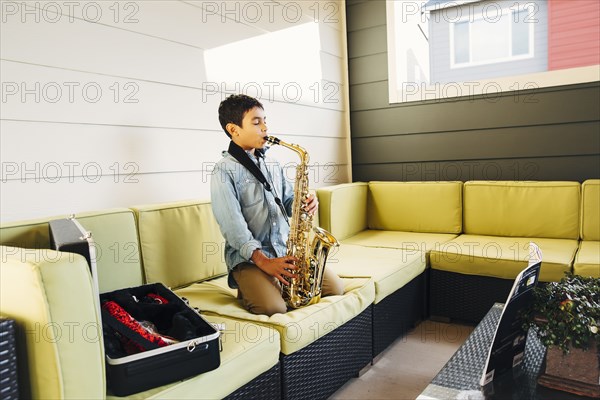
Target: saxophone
(309,245)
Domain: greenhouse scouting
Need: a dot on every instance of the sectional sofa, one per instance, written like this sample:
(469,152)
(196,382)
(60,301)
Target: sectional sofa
(308,352)
(409,249)
(474,235)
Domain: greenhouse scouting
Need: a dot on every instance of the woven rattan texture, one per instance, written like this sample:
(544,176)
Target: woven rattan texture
(463,371)
(266,386)
(463,297)
(9,388)
(398,313)
(318,370)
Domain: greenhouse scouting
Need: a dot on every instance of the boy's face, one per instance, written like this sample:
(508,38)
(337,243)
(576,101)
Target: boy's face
(253,132)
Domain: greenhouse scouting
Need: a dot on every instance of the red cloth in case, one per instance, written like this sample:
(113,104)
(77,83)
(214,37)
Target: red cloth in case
(130,323)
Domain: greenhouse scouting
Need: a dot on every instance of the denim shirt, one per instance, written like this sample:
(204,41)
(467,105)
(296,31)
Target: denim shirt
(247,214)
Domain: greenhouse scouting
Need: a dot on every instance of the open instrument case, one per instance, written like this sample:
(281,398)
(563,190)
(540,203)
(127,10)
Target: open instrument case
(152,337)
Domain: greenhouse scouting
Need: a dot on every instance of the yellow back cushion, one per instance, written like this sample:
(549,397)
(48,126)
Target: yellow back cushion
(434,207)
(342,209)
(117,249)
(590,210)
(522,209)
(115,238)
(180,243)
(31,234)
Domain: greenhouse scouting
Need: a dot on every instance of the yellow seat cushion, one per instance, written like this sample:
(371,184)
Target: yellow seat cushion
(248,351)
(590,210)
(297,328)
(434,207)
(390,269)
(587,261)
(180,243)
(503,257)
(49,294)
(416,241)
(522,209)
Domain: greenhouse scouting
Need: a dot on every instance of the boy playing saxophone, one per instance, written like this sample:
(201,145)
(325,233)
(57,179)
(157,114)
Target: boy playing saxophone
(249,208)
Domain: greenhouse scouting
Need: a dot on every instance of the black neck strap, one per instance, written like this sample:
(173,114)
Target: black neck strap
(239,154)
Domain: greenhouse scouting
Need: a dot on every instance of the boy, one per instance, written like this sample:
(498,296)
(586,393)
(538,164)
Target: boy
(250,213)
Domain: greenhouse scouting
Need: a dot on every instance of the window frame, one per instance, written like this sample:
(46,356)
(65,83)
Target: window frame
(506,12)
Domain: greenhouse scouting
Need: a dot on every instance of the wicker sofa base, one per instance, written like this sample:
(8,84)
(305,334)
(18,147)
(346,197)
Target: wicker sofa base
(318,370)
(9,387)
(265,386)
(398,313)
(465,298)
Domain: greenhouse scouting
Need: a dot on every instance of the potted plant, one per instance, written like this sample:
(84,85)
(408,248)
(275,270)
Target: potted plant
(566,318)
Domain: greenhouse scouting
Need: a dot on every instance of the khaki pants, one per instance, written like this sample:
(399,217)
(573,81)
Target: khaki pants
(261,293)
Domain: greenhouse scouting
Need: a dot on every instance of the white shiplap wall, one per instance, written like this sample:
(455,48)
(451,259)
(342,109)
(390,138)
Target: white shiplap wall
(114,103)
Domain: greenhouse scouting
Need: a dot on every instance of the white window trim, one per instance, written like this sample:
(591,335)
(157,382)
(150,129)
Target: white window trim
(471,20)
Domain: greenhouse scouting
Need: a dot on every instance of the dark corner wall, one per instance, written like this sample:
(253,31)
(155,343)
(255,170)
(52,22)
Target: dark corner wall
(544,134)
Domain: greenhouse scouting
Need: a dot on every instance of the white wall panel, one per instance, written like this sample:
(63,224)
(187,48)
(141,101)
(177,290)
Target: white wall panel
(321,175)
(30,149)
(304,120)
(333,68)
(261,15)
(102,49)
(152,134)
(322,151)
(52,94)
(318,92)
(108,146)
(48,197)
(31,199)
(170,20)
(331,37)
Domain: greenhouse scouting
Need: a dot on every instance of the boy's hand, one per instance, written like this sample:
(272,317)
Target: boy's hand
(311,204)
(278,267)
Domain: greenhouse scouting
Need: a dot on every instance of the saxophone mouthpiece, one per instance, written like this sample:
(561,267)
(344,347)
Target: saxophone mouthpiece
(271,140)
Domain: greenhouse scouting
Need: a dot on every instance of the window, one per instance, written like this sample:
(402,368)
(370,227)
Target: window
(522,34)
(462,52)
(441,49)
(489,39)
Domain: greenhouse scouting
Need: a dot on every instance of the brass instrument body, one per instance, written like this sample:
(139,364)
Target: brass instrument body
(309,245)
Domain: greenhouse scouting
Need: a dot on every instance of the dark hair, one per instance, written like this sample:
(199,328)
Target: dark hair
(233,108)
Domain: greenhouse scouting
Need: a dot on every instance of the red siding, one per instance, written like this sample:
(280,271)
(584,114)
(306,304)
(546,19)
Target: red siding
(573,33)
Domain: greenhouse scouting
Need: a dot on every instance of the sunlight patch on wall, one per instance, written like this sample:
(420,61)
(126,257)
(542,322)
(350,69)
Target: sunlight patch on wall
(284,65)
